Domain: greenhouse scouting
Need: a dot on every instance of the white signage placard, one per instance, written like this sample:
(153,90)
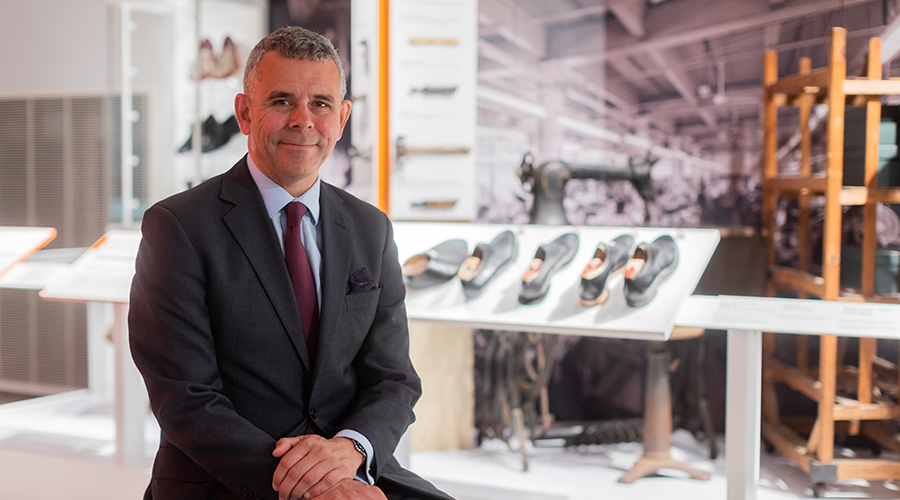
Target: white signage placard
(17,243)
(799,316)
(101,274)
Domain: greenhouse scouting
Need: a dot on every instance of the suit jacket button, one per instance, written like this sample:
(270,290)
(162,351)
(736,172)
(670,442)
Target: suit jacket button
(312,412)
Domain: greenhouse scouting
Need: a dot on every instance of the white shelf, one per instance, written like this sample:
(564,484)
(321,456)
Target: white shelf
(560,312)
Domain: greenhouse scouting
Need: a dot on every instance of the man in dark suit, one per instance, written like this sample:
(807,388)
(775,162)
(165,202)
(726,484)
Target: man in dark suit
(272,369)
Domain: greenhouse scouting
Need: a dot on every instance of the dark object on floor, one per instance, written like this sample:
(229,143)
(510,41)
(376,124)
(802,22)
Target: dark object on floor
(607,261)
(650,265)
(435,266)
(610,432)
(487,261)
(548,259)
(214,134)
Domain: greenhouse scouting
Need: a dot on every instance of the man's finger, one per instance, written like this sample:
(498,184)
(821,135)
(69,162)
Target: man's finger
(285,444)
(289,460)
(300,478)
(327,482)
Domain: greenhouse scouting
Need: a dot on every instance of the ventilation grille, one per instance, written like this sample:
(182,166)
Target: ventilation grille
(55,170)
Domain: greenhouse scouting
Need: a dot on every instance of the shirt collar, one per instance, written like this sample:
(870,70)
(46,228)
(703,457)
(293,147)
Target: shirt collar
(275,197)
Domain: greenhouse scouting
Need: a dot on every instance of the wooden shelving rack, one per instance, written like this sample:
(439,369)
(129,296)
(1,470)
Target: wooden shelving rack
(869,412)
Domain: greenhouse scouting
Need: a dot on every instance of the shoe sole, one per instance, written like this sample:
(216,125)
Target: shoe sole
(605,295)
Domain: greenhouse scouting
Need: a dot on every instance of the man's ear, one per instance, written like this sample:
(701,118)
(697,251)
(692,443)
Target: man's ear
(242,112)
(345,114)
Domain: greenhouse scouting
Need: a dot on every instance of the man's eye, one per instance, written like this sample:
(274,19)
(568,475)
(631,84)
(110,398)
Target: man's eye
(320,104)
(282,102)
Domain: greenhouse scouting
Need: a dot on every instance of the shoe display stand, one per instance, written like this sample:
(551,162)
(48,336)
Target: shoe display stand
(561,312)
(103,275)
(864,409)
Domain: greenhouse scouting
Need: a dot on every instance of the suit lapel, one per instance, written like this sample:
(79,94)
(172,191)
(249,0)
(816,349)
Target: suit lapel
(251,227)
(336,257)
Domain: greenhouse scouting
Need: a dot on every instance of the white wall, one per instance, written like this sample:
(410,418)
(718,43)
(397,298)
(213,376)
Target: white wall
(53,46)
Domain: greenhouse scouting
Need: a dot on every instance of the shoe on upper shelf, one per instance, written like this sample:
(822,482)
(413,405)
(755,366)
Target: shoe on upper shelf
(435,266)
(486,262)
(607,261)
(548,259)
(650,265)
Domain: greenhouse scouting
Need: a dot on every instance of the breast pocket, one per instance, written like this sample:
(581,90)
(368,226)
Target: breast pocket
(366,300)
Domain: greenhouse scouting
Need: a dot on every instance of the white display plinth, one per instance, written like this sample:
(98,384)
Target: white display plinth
(17,243)
(103,274)
(560,311)
(746,318)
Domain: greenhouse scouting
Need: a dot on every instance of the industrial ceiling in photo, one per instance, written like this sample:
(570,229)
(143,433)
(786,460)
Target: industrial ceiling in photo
(685,74)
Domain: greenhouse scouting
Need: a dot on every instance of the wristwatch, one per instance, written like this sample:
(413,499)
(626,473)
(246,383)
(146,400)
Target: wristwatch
(361,449)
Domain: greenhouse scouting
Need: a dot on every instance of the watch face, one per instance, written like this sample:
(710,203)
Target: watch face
(359,447)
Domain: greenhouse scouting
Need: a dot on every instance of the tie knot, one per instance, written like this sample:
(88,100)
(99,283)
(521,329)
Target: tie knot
(294,212)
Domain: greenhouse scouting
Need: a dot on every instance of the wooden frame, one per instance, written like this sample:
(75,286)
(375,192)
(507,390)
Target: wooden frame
(862,415)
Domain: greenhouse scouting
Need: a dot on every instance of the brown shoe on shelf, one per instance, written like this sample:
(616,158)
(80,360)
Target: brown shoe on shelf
(228,62)
(207,63)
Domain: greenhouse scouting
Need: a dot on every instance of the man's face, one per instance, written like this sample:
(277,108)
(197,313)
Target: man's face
(293,115)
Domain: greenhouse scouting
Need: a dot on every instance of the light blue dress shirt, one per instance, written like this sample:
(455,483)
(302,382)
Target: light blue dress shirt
(275,199)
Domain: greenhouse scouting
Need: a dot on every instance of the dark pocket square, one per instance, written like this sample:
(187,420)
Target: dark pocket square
(362,282)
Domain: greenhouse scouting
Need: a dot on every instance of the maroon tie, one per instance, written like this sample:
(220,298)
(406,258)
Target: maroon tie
(301,276)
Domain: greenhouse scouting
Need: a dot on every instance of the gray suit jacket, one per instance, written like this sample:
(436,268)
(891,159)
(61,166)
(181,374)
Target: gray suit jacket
(216,333)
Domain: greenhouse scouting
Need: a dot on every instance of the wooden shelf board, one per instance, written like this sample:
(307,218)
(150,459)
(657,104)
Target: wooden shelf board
(794,377)
(795,84)
(788,442)
(787,277)
(866,412)
(871,87)
(866,468)
(813,184)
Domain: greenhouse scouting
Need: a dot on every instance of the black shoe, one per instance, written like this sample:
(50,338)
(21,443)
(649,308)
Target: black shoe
(548,259)
(607,261)
(650,266)
(222,134)
(487,261)
(435,266)
(207,130)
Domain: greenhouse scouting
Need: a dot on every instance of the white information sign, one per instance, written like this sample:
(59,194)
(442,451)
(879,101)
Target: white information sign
(560,311)
(847,319)
(101,274)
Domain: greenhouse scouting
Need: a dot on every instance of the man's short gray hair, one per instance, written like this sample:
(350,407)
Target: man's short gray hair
(293,42)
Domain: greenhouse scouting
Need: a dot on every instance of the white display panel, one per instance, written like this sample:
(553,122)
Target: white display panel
(101,274)
(433,108)
(560,311)
(798,316)
(17,243)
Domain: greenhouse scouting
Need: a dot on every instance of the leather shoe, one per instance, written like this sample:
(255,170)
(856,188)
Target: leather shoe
(437,265)
(649,266)
(608,260)
(548,259)
(487,261)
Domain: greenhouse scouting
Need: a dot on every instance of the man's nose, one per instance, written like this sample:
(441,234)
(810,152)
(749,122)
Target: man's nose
(301,118)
